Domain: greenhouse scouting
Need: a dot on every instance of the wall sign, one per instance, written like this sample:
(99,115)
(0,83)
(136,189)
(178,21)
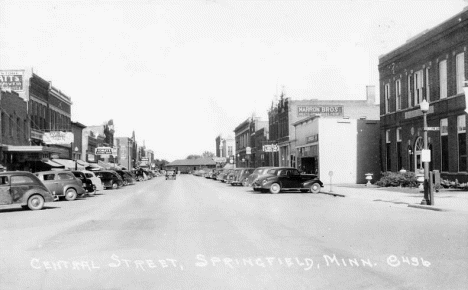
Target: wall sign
(325,110)
(57,137)
(11,79)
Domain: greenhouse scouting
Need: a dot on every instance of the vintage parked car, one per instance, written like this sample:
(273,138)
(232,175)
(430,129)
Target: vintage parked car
(286,178)
(23,188)
(257,173)
(231,175)
(126,177)
(171,174)
(62,183)
(109,178)
(97,183)
(240,178)
(222,174)
(87,183)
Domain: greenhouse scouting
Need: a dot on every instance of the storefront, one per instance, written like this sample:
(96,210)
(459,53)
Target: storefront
(29,158)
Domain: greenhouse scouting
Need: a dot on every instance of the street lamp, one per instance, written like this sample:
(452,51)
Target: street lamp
(424,106)
(76,158)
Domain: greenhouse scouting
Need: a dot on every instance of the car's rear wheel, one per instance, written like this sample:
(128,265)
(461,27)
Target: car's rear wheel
(93,190)
(275,188)
(115,185)
(315,188)
(35,202)
(70,194)
(125,183)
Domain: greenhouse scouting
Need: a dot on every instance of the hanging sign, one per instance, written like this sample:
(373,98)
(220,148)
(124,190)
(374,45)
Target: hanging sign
(57,137)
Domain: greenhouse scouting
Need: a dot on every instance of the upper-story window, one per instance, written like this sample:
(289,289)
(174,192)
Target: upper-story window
(460,69)
(410,94)
(428,90)
(418,87)
(387,98)
(398,94)
(443,79)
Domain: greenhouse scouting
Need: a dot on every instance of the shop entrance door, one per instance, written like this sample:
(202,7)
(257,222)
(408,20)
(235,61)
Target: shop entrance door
(418,147)
(308,165)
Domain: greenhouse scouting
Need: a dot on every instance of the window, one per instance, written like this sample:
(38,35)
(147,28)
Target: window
(49,176)
(398,94)
(460,67)
(443,79)
(461,130)
(21,179)
(444,144)
(410,99)
(66,176)
(10,128)
(418,87)
(18,128)
(399,153)
(3,124)
(389,159)
(4,180)
(428,90)
(387,98)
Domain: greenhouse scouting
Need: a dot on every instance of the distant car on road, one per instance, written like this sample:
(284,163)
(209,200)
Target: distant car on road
(171,174)
(285,178)
(24,188)
(62,182)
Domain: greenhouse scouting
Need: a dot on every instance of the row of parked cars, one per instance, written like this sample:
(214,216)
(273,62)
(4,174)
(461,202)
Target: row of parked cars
(266,179)
(32,190)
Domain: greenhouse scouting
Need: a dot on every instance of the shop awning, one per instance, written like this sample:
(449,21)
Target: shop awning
(107,165)
(83,163)
(10,148)
(93,166)
(52,164)
(69,164)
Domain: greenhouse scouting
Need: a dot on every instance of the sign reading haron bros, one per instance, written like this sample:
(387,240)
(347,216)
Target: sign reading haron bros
(324,110)
(103,151)
(57,137)
(270,148)
(11,80)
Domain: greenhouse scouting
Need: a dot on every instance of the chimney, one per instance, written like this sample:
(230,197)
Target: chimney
(370,94)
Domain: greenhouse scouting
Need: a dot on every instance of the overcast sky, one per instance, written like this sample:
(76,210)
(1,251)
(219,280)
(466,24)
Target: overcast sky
(181,72)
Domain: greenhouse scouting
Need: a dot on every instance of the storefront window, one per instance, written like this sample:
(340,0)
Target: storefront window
(461,130)
(444,145)
(388,151)
(399,154)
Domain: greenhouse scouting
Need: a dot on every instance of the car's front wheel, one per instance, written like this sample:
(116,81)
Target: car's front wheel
(125,183)
(275,188)
(70,194)
(315,188)
(115,185)
(35,202)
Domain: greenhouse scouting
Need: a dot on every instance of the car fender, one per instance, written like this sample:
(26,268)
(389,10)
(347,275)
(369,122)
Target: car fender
(48,197)
(78,189)
(312,181)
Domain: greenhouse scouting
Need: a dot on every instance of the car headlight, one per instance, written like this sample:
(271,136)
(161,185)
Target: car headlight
(264,182)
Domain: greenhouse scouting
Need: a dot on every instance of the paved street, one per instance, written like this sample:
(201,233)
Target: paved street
(197,233)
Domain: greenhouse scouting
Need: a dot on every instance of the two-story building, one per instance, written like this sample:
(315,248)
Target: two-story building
(430,66)
(245,155)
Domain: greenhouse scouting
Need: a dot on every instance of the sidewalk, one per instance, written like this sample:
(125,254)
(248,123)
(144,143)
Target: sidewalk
(444,200)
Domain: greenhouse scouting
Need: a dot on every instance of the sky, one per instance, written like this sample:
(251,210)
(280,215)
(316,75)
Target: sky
(179,73)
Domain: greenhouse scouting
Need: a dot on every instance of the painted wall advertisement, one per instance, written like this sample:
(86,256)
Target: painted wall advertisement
(323,110)
(11,80)
(57,137)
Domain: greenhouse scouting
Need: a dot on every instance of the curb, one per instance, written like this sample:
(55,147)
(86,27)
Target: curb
(334,194)
(428,207)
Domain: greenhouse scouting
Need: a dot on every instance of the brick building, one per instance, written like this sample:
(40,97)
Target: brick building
(14,131)
(429,66)
(286,112)
(245,155)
